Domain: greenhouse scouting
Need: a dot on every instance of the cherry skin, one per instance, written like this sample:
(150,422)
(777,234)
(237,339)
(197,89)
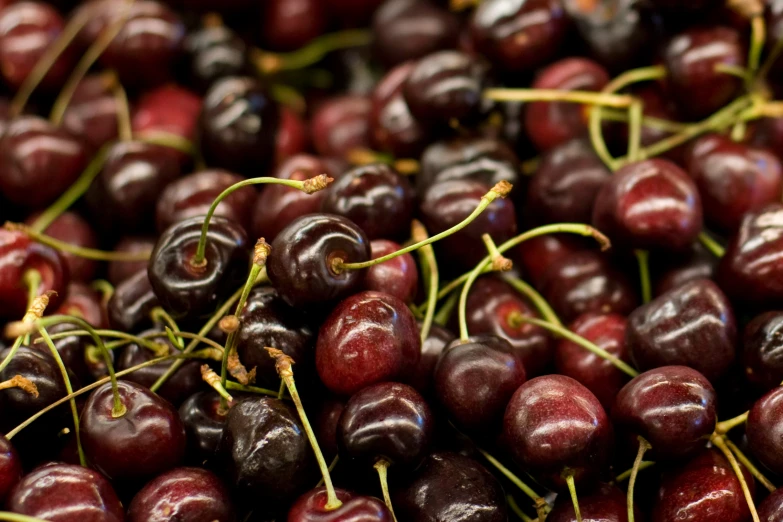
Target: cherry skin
(287,26)
(762,350)
(771,510)
(92,111)
(449,486)
(538,254)
(437,341)
(184,494)
(353,13)
(214,51)
(733,179)
(65,493)
(340,125)
(598,375)
(73,229)
(203,418)
(375,197)
(474,381)
(119,271)
(606,504)
(325,426)
(650,204)
(672,271)
(368,338)
(764,430)
(555,425)
(293,136)
(246,145)
(144,442)
(386,421)
(311,507)
(184,289)
(10,467)
(301,265)
(672,407)
(398,276)
(691,325)
(130,305)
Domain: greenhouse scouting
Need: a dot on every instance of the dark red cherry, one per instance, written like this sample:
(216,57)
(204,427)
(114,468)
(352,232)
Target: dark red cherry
(408,30)
(672,407)
(771,510)
(704,489)
(187,290)
(398,276)
(762,350)
(474,381)
(311,507)
(38,161)
(733,178)
(73,229)
(301,265)
(65,493)
(538,254)
(287,25)
(691,325)
(386,421)
(369,337)
(607,503)
(192,196)
(169,108)
(598,375)
(182,494)
(691,59)
(650,204)
(554,425)
(565,184)
(446,86)
(446,204)
(519,35)
(340,125)
(550,124)
(672,271)
(119,271)
(375,197)
(431,349)
(293,136)
(10,467)
(214,51)
(18,254)
(131,303)
(764,430)
(449,486)
(352,12)
(85,302)
(144,442)
(92,111)
(586,281)
(203,418)
(393,128)
(27,30)
(768,133)
(264,452)
(237,126)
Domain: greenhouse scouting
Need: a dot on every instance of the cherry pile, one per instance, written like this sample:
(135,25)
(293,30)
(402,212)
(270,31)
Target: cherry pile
(391,260)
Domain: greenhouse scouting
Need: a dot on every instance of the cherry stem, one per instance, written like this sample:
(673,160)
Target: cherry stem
(289,97)
(382,467)
(88,59)
(625,475)
(727,425)
(733,70)
(432,276)
(142,341)
(209,376)
(283,365)
(568,475)
(124,128)
(635,113)
(443,315)
(335,460)
(512,504)
(74,192)
(313,52)
(642,258)
(15,517)
(462,5)
(527,490)
(159,314)
(647,121)
(712,245)
(770,60)
(554,95)
(17,381)
(308,186)
(231,385)
(68,389)
(36,305)
(537,299)
(718,441)
(572,228)
(32,279)
(361,156)
(748,464)
(167,139)
(498,262)
(643,447)
(500,190)
(105,288)
(758,36)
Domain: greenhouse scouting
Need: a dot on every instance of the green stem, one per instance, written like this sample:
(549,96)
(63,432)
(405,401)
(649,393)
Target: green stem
(635,113)
(751,467)
(537,299)
(311,53)
(643,447)
(159,314)
(642,258)
(83,252)
(555,95)
(382,467)
(758,36)
(442,317)
(727,425)
(647,121)
(428,261)
(527,490)
(231,385)
(718,441)
(770,60)
(569,477)
(167,139)
(512,504)
(712,245)
(625,475)
(16,517)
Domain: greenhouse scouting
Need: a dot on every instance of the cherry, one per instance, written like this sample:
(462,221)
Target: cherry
(762,350)
(398,276)
(598,375)
(564,186)
(431,349)
(606,504)
(264,452)
(65,493)
(764,430)
(768,134)
(325,426)
(446,86)
(375,197)
(245,144)
(557,430)
(204,420)
(520,35)
(691,58)
(340,125)
(771,510)
(691,325)
(550,124)
(448,203)
(10,467)
(293,136)
(303,254)
(169,108)
(311,507)
(73,229)
(146,440)
(677,270)
(288,25)
(92,112)
(538,254)
(449,486)
(38,161)
(192,196)
(733,179)
(185,289)
(407,30)
(650,204)
(672,407)
(119,271)
(705,488)
(214,52)
(130,305)
(368,337)
(352,12)
(185,494)
(474,381)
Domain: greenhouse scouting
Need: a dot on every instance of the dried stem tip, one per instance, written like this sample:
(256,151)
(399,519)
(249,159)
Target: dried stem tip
(502,188)
(746,8)
(17,381)
(603,241)
(283,362)
(261,252)
(38,307)
(209,375)
(238,370)
(316,183)
(502,264)
(418,232)
(229,324)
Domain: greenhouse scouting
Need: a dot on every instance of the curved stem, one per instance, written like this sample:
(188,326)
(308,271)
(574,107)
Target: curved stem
(442,316)
(311,53)
(382,467)
(758,36)
(335,460)
(231,385)
(142,341)
(427,259)
(642,258)
(712,245)
(569,478)
(721,445)
(635,113)
(16,517)
(727,425)
(647,121)
(554,95)
(167,139)
(527,490)
(159,314)
(751,467)
(124,128)
(537,299)
(17,381)
(209,376)
(498,262)
(512,504)
(770,60)
(643,447)
(625,475)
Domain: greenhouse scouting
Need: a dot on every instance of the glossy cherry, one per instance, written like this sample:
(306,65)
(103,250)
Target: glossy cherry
(325,426)
(762,350)
(353,12)
(10,467)
(310,507)
(73,229)
(607,503)
(369,337)
(671,271)
(119,271)
(398,276)
(288,25)
(554,427)
(130,305)
(538,254)
(764,430)
(340,125)
(293,135)
(203,418)
(771,510)
(168,108)
(214,51)
(431,349)
(91,114)
(185,494)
